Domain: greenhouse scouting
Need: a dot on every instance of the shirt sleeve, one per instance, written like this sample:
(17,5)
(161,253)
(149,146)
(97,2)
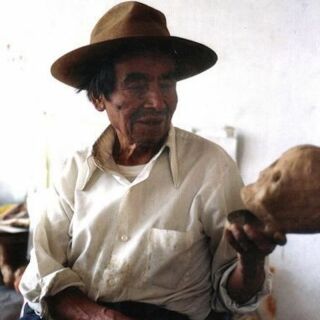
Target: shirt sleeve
(223,198)
(47,272)
(250,305)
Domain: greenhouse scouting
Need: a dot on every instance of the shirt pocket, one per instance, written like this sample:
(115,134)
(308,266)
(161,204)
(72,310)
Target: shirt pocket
(168,257)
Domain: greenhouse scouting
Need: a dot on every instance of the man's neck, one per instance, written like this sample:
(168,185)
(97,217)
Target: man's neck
(134,154)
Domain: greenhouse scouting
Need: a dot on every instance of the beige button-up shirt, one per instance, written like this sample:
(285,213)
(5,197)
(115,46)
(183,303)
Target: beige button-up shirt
(158,239)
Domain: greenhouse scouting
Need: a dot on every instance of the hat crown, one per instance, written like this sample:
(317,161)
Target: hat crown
(130,19)
(124,28)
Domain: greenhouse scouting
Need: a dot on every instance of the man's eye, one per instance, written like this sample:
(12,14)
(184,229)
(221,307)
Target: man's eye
(137,87)
(167,84)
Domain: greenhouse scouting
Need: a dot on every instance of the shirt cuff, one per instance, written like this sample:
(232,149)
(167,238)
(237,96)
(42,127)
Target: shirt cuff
(251,304)
(55,283)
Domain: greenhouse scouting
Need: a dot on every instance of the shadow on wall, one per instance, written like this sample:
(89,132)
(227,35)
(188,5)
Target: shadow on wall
(240,149)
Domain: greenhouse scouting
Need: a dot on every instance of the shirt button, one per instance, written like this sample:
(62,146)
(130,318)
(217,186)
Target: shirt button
(124,238)
(111,282)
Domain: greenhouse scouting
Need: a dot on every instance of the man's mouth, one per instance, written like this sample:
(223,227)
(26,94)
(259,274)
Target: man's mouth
(150,120)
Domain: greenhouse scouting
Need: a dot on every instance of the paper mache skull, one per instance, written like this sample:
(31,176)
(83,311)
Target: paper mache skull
(286,197)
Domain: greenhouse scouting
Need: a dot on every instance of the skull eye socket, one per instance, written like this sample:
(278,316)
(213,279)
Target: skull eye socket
(276,176)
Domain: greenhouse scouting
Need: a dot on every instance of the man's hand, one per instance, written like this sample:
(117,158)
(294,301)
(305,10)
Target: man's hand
(250,241)
(252,245)
(72,304)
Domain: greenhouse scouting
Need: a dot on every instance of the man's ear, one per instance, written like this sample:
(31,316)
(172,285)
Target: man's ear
(99,103)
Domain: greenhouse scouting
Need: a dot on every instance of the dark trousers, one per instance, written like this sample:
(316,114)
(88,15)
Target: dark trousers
(136,310)
(29,314)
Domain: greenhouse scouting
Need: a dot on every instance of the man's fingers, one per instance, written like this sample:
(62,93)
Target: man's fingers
(233,242)
(250,239)
(239,240)
(280,238)
(263,243)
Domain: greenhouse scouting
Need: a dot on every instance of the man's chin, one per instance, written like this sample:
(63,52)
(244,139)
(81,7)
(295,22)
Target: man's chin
(150,138)
(146,142)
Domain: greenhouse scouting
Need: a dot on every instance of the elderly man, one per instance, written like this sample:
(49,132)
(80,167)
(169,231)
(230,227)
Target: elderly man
(135,227)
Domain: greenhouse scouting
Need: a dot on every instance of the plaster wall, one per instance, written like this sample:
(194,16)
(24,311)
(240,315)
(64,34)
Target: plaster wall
(265,84)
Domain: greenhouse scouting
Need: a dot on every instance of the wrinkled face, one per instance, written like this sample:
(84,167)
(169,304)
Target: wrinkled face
(144,100)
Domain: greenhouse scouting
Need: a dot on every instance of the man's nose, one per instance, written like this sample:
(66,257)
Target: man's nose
(155,98)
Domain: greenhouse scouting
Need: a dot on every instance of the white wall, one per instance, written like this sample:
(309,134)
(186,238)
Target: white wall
(266,84)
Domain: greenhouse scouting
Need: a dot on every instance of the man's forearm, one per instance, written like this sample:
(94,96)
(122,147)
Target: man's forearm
(253,245)
(246,279)
(72,304)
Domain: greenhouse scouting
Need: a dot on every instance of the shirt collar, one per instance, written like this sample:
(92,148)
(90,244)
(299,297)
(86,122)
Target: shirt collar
(101,155)
(173,157)
(102,150)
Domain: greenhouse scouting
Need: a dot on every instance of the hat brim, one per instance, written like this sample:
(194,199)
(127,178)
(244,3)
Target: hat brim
(191,57)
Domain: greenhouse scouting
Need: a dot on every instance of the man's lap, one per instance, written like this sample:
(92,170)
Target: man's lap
(137,310)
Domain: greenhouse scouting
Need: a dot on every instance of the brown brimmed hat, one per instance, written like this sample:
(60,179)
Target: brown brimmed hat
(126,27)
